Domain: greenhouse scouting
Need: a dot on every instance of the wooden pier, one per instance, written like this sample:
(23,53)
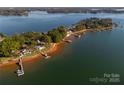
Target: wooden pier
(20,70)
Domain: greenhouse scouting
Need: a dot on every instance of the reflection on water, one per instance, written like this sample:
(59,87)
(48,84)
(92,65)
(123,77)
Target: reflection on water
(85,59)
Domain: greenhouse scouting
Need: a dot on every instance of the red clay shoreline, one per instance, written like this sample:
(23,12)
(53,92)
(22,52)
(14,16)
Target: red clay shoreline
(53,49)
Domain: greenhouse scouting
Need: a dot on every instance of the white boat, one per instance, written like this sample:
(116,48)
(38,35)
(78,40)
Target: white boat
(79,36)
(47,57)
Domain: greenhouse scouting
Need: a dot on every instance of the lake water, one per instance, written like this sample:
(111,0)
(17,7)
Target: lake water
(85,61)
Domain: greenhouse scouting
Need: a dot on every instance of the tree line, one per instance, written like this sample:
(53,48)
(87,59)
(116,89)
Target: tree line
(29,39)
(93,23)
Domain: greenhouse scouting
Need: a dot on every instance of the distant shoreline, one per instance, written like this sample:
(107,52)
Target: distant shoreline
(24,11)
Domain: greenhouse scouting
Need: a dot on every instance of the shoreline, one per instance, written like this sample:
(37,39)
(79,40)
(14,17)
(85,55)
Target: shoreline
(53,49)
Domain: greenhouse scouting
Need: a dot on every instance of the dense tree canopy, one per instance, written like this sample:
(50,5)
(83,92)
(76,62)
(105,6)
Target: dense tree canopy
(10,44)
(45,38)
(93,23)
(57,34)
(7,46)
(29,39)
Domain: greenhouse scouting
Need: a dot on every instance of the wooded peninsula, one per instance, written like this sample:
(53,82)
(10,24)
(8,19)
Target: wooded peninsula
(31,43)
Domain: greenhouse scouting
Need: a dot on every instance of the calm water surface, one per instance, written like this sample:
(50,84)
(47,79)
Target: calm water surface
(86,58)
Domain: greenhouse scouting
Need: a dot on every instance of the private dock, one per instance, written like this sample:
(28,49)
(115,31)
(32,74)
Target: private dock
(76,35)
(20,70)
(45,55)
(68,41)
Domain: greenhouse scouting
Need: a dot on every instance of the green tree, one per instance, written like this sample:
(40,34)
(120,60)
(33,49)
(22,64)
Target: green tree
(19,38)
(7,46)
(62,31)
(57,34)
(45,38)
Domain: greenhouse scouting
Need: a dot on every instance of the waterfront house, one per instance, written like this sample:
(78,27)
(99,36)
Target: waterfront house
(69,33)
(25,51)
(40,42)
(40,47)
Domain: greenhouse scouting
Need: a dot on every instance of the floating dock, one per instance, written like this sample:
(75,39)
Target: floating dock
(68,41)
(45,55)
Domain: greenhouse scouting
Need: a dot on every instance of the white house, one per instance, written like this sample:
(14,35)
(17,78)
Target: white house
(40,47)
(69,33)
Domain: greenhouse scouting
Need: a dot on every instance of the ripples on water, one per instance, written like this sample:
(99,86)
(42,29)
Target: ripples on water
(88,57)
